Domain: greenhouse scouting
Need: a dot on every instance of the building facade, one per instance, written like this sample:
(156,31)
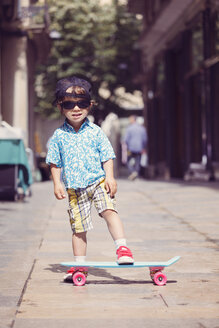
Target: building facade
(24,42)
(180,78)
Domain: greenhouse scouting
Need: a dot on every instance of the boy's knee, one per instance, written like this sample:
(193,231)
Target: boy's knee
(79,234)
(107,213)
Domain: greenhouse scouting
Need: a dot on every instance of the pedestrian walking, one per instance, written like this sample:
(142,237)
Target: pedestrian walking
(83,153)
(136,140)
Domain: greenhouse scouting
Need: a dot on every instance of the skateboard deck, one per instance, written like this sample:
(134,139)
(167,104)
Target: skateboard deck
(79,270)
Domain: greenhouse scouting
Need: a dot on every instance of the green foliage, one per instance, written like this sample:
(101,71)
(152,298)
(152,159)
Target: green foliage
(96,41)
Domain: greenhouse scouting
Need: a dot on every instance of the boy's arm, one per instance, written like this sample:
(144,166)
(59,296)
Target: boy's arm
(110,182)
(58,187)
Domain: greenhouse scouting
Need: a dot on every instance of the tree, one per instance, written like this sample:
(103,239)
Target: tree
(96,41)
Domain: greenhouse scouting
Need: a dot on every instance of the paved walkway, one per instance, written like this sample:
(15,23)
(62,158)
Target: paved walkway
(161,220)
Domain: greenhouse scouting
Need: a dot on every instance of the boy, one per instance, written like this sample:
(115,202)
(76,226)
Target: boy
(84,154)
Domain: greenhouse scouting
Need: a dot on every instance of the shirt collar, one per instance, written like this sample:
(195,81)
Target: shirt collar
(70,128)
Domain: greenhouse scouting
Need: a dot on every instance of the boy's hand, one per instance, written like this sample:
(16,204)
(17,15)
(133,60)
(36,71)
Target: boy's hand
(111,186)
(59,191)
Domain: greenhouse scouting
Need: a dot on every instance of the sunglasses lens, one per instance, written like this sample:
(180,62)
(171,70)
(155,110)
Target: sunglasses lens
(68,104)
(83,104)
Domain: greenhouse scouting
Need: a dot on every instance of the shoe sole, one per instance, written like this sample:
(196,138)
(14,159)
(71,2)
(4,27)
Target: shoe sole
(125,260)
(68,276)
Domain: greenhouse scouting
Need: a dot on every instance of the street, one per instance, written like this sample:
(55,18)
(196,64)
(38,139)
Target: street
(161,219)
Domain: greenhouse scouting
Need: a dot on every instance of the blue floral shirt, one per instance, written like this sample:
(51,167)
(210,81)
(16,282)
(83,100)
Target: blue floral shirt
(80,155)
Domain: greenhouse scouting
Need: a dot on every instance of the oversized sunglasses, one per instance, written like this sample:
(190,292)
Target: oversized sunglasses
(71,104)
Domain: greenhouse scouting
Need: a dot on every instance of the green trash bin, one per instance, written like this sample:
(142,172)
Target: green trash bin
(15,173)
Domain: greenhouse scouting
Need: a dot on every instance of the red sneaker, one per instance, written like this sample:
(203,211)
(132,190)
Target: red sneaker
(68,275)
(71,271)
(124,255)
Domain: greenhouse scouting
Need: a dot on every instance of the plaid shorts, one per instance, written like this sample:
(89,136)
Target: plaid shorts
(80,202)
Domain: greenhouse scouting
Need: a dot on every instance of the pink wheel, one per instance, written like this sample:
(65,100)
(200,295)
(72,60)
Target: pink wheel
(160,279)
(79,278)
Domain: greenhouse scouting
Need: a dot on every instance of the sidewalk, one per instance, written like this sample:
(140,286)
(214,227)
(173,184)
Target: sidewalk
(161,220)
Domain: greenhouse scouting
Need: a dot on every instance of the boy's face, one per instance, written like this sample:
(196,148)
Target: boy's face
(75,110)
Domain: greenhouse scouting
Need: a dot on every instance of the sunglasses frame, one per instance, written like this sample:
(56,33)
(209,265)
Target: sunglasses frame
(75,103)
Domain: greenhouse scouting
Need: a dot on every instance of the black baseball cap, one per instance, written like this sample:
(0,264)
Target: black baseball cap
(65,83)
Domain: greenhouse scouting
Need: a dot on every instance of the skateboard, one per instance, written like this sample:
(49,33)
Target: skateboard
(80,271)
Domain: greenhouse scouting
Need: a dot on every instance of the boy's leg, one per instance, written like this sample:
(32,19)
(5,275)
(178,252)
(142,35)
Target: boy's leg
(79,243)
(79,215)
(106,207)
(115,226)
(80,220)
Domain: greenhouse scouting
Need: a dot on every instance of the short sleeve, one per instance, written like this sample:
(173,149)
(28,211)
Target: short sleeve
(105,148)
(53,155)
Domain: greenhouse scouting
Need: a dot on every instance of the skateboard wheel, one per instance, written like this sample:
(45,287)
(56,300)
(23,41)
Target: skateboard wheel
(79,278)
(160,279)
